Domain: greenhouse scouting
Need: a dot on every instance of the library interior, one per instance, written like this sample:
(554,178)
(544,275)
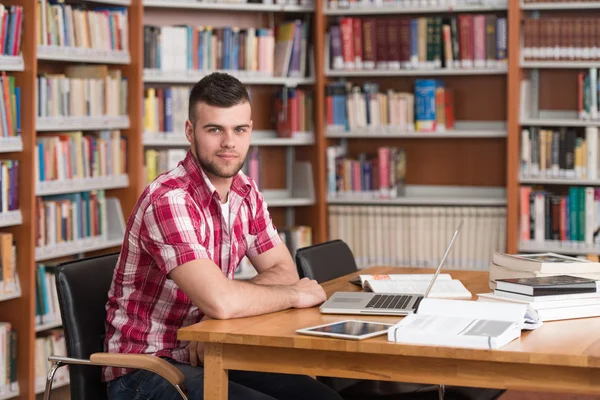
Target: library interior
(427,170)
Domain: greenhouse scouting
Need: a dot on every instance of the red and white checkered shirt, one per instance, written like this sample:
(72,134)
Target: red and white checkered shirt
(177,219)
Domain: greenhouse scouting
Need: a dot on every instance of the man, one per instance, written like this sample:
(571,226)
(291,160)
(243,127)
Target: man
(185,238)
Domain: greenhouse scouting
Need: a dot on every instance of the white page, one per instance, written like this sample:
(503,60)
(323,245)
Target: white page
(526,317)
(404,277)
(441,289)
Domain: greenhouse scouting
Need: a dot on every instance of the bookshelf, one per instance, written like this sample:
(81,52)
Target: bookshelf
(546,179)
(285,178)
(460,168)
(107,65)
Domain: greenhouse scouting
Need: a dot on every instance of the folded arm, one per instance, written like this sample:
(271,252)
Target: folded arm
(275,267)
(221,298)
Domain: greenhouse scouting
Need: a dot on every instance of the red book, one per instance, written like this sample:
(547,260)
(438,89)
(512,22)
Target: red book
(346,25)
(466,42)
(358,42)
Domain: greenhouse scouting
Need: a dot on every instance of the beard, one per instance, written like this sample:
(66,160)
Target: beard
(215,169)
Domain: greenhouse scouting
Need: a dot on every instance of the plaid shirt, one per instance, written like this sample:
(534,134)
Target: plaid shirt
(177,219)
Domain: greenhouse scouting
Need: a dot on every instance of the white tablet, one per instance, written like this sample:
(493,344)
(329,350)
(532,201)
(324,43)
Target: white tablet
(348,329)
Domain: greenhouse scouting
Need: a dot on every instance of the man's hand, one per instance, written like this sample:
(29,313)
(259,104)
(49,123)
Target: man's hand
(309,293)
(196,349)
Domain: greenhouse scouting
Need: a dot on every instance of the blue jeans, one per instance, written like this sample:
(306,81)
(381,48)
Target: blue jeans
(243,385)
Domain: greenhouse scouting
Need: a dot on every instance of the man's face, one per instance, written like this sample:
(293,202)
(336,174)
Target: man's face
(220,138)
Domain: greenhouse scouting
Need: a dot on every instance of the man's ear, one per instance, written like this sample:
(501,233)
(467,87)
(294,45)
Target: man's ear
(189,131)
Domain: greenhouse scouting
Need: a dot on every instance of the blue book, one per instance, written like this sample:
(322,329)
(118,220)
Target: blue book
(168,109)
(425,105)
(227,47)
(235,49)
(414,41)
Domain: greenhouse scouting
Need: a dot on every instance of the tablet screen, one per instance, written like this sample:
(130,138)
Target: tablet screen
(354,328)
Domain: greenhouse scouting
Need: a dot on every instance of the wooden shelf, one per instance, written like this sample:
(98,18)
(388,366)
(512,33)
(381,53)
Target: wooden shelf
(223,6)
(48,124)
(11,218)
(570,248)
(395,9)
(191,77)
(11,63)
(11,145)
(12,394)
(559,122)
(48,325)
(558,181)
(75,247)
(429,196)
(10,296)
(258,138)
(584,5)
(417,72)
(284,198)
(463,129)
(560,64)
(76,54)
(81,185)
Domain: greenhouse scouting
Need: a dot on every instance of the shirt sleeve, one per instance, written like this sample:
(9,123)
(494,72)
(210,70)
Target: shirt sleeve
(171,232)
(265,235)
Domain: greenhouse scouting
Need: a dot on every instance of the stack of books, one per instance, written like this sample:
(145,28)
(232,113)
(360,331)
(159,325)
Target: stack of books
(508,266)
(553,294)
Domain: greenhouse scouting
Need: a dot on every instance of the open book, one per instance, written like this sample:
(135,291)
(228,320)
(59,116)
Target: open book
(458,323)
(444,286)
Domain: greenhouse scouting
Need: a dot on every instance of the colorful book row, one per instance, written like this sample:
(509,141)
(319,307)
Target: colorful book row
(75,155)
(82,91)
(66,25)
(429,109)
(380,175)
(385,43)
(572,215)
(564,153)
(70,217)
(271,52)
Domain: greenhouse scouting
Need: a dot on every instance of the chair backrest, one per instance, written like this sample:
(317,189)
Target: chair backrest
(325,261)
(82,288)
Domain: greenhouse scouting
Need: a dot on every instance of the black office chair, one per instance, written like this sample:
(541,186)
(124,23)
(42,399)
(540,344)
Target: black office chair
(333,259)
(82,288)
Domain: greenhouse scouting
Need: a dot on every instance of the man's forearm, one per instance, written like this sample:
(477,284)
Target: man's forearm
(280,274)
(245,299)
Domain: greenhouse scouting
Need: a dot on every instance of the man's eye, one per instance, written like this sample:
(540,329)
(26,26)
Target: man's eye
(240,130)
(214,130)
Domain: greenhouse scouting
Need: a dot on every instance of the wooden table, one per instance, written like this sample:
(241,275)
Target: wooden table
(562,356)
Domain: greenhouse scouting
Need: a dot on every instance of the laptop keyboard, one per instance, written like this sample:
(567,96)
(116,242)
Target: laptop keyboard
(389,301)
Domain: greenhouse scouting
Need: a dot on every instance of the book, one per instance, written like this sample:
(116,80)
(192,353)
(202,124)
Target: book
(444,286)
(460,323)
(553,310)
(548,285)
(545,262)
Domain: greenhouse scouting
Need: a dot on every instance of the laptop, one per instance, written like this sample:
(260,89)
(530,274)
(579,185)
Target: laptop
(368,303)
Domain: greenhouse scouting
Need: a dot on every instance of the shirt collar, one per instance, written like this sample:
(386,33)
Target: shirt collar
(206,190)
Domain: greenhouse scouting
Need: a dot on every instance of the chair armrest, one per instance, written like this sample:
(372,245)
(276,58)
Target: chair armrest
(140,361)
